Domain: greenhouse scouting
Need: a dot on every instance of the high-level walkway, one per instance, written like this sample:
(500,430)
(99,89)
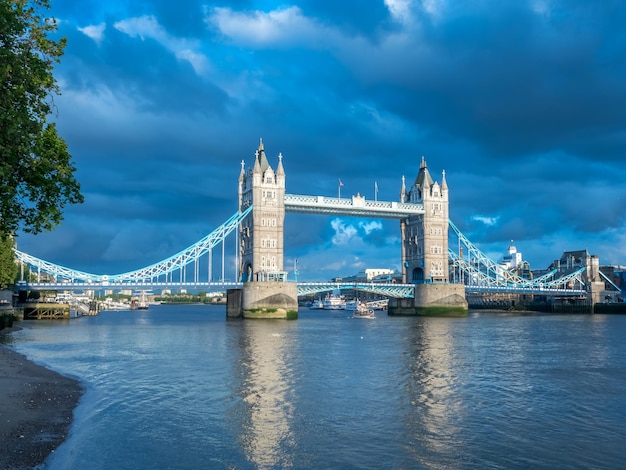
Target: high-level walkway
(352,206)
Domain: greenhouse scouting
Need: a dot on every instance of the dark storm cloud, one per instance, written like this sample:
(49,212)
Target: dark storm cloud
(510,80)
(142,69)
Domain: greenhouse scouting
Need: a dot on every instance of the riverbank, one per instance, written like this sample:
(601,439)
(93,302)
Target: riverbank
(36,409)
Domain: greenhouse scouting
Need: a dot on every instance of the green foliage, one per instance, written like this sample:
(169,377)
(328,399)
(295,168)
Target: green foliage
(8,268)
(36,172)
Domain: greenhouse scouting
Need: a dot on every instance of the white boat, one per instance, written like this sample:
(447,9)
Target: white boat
(363,311)
(354,305)
(317,305)
(110,304)
(334,301)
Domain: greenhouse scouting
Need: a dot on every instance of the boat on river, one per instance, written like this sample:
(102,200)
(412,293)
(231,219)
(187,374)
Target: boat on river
(317,305)
(354,305)
(334,302)
(140,303)
(363,311)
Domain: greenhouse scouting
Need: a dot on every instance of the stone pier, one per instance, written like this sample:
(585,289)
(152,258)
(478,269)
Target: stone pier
(263,300)
(432,300)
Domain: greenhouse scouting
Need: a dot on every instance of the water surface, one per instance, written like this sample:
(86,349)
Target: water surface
(180,387)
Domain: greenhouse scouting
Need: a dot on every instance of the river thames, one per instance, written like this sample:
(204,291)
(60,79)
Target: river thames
(180,387)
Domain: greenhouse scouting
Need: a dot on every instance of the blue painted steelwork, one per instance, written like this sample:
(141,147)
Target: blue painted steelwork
(150,273)
(304,288)
(386,289)
(480,273)
(139,285)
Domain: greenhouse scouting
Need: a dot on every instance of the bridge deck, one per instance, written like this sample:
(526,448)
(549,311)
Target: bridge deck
(304,288)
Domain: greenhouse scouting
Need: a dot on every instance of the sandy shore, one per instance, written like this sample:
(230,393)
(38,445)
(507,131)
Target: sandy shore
(36,409)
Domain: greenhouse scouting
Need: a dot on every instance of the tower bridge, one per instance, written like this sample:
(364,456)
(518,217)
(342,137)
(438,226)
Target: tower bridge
(434,278)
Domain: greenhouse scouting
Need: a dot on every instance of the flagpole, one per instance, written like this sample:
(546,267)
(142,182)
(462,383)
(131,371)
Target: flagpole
(375,191)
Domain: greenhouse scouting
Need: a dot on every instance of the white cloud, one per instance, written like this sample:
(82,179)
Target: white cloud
(286,26)
(343,233)
(144,27)
(433,7)
(369,227)
(95,32)
(400,10)
(486,220)
(148,27)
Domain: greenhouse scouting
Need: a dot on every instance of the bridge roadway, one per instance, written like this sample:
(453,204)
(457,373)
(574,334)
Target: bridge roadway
(304,288)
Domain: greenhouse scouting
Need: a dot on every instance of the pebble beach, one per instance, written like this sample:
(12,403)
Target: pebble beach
(36,409)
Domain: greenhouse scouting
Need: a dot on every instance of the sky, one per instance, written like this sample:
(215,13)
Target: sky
(523,104)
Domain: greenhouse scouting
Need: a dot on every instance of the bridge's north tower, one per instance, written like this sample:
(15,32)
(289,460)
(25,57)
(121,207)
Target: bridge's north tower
(265,292)
(425,236)
(261,236)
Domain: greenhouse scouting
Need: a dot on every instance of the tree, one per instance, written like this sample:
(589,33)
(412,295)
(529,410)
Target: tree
(8,268)
(36,171)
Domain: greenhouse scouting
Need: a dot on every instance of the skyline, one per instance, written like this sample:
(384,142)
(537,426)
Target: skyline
(522,105)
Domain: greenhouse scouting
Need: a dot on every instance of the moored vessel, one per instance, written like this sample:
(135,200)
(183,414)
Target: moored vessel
(334,301)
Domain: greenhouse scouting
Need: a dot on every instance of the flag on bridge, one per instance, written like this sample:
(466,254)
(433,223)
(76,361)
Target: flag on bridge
(340,183)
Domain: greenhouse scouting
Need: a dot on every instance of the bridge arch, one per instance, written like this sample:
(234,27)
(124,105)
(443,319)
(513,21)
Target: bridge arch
(417,276)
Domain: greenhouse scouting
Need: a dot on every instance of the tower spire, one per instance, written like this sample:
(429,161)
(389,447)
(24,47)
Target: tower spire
(280,170)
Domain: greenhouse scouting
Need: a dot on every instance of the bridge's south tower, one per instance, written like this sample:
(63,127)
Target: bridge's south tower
(262,239)
(425,237)
(425,252)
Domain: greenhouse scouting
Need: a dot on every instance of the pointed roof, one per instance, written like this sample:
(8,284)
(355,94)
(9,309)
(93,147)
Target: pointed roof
(280,170)
(444,183)
(423,176)
(261,158)
(257,164)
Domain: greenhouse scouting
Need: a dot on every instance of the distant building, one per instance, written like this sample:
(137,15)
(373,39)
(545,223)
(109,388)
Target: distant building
(571,261)
(512,260)
(371,273)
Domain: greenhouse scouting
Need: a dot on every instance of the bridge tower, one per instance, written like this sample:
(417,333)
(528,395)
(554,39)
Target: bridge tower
(261,234)
(425,251)
(425,237)
(266,292)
